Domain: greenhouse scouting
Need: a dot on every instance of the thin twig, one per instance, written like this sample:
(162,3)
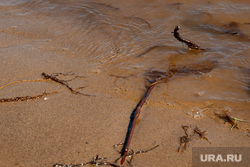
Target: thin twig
(97,161)
(202,134)
(190,44)
(158,78)
(230,119)
(133,118)
(184,139)
(131,153)
(63,82)
(188,137)
(25,98)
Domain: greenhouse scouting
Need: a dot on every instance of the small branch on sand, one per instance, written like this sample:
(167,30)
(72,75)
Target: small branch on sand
(133,118)
(158,78)
(47,78)
(97,161)
(190,44)
(201,134)
(184,139)
(230,119)
(131,154)
(188,137)
(63,82)
(25,98)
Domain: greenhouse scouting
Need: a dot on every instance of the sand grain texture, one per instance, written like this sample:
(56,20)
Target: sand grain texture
(100,41)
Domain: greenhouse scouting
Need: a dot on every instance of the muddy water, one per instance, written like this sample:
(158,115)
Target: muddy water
(116,43)
(126,39)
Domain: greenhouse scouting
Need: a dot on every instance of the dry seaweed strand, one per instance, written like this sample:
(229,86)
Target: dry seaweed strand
(202,134)
(96,160)
(99,161)
(63,82)
(131,153)
(184,139)
(187,138)
(47,78)
(26,98)
(190,44)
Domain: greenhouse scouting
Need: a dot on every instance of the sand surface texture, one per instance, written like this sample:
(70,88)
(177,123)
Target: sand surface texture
(104,49)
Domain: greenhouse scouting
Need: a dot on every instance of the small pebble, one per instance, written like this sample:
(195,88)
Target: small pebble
(199,93)
(98,71)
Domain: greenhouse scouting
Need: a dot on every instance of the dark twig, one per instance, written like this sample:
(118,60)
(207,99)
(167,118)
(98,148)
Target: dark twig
(142,152)
(190,44)
(63,82)
(25,98)
(119,144)
(201,134)
(158,78)
(133,118)
(184,139)
(188,137)
(97,161)
(230,119)
(131,153)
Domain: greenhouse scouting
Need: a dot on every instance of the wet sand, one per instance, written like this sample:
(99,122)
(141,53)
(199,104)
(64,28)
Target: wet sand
(99,42)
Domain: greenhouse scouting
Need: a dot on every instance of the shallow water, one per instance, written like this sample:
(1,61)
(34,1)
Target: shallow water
(118,42)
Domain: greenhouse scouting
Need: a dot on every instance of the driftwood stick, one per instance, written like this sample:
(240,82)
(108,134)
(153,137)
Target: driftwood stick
(133,118)
(190,44)
(161,77)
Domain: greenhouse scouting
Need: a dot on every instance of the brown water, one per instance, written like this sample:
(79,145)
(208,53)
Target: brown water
(108,37)
(112,43)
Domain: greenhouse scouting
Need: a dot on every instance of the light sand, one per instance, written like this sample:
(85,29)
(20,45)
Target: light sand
(69,129)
